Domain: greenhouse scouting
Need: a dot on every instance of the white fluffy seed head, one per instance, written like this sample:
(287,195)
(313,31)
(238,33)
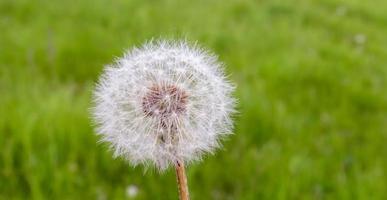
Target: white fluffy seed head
(163,102)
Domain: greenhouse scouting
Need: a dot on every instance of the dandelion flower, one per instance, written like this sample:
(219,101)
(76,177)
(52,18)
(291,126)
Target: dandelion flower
(164,103)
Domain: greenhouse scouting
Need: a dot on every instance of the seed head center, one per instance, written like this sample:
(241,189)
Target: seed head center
(164,101)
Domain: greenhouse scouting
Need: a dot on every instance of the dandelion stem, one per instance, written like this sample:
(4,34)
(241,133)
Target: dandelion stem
(181,181)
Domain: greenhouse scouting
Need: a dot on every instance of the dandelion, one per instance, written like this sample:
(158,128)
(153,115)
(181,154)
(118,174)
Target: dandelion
(164,104)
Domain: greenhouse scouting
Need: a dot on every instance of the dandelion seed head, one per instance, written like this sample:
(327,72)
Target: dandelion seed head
(163,102)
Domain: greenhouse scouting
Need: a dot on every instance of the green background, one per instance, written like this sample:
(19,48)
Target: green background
(312,90)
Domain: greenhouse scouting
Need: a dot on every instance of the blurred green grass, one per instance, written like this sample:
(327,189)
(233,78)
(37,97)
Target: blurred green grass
(312,85)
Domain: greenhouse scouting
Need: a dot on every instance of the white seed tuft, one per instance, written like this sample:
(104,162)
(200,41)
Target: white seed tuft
(163,102)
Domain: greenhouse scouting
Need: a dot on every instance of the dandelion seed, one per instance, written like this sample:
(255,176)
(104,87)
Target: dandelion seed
(360,39)
(131,191)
